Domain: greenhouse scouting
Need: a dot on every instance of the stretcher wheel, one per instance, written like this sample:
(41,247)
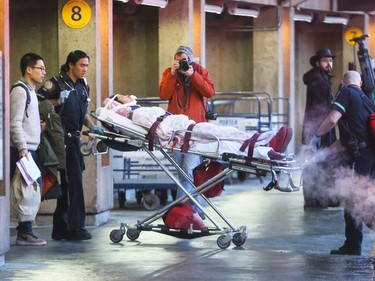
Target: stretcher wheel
(223,242)
(116,236)
(238,239)
(85,149)
(151,201)
(101,147)
(132,234)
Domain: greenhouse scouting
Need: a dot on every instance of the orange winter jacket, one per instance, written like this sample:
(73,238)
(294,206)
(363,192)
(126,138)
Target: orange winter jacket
(200,87)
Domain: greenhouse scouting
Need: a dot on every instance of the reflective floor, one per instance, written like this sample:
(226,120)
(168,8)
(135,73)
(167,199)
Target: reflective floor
(284,243)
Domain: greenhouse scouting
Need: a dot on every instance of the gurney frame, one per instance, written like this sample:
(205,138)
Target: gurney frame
(228,234)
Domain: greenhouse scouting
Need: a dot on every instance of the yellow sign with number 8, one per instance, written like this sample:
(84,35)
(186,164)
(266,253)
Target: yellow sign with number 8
(76,13)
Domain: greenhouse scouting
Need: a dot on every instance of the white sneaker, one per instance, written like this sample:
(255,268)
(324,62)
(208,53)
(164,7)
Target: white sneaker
(29,240)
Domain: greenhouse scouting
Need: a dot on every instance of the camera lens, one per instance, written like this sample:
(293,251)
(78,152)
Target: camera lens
(184,65)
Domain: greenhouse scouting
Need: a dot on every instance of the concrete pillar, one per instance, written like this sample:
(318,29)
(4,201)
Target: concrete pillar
(4,101)
(175,29)
(199,31)
(283,106)
(96,40)
(274,63)
(266,51)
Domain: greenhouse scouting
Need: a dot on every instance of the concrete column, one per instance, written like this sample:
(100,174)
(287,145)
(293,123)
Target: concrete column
(286,73)
(175,29)
(266,51)
(4,100)
(96,40)
(272,59)
(199,31)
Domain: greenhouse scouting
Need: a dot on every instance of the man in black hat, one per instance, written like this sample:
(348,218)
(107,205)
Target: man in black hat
(318,105)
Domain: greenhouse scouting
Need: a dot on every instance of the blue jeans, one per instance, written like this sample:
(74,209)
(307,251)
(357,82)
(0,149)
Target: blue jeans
(187,162)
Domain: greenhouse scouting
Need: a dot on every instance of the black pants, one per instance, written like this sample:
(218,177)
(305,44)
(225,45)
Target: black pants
(70,210)
(363,166)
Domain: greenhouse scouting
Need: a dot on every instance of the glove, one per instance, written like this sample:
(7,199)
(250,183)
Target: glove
(96,130)
(315,143)
(63,95)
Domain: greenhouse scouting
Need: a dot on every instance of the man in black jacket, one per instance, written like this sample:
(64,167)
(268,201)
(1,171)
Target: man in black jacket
(318,105)
(69,93)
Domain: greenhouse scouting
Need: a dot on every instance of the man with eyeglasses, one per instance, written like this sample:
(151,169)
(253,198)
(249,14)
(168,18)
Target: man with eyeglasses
(25,131)
(318,105)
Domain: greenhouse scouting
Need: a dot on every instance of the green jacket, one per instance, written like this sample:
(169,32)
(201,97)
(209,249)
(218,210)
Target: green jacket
(52,147)
(51,151)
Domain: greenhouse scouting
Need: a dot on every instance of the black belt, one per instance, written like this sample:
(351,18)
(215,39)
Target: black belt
(75,134)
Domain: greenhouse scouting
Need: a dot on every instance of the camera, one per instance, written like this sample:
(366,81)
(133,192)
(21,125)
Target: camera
(210,113)
(353,148)
(184,65)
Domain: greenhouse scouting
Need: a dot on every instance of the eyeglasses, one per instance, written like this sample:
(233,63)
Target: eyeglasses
(39,67)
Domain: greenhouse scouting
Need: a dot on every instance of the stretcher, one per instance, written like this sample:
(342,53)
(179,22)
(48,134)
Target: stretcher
(133,137)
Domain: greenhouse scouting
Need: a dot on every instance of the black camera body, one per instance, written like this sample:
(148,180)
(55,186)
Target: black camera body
(184,65)
(210,115)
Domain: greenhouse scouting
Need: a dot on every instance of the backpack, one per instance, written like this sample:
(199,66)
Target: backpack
(371,118)
(28,99)
(183,216)
(372,125)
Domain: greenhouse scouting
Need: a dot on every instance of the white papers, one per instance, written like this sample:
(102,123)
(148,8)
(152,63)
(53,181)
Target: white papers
(29,170)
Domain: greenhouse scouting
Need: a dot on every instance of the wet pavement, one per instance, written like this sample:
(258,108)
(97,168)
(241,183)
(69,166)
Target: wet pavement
(284,243)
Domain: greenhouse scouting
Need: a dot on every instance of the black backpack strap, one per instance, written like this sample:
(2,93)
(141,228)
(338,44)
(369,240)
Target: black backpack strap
(28,99)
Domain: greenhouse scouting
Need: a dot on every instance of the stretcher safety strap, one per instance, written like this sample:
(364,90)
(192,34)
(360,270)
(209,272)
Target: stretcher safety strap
(152,131)
(187,137)
(250,143)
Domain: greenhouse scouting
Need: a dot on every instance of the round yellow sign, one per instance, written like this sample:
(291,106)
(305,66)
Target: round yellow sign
(76,13)
(352,32)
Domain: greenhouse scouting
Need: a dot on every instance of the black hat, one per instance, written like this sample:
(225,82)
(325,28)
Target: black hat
(320,54)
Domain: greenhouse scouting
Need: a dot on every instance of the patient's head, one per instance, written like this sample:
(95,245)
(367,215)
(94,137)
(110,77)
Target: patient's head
(122,98)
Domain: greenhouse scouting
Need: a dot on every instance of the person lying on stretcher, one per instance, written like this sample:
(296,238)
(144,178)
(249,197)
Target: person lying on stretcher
(267,145)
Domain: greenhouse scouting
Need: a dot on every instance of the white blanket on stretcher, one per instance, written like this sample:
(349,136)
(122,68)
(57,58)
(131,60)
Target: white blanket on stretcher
(218,138)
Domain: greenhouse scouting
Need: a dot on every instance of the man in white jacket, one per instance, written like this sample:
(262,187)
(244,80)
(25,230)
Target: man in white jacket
(25,130)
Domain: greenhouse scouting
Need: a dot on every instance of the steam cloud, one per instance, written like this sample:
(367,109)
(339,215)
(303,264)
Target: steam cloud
(328,182)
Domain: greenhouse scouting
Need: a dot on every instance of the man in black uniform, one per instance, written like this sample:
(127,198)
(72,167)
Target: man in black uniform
(351,109)
(69,93)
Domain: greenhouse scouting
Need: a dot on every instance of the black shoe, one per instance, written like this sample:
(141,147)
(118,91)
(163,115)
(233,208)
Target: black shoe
(59,234)
(344,250)
(79,234)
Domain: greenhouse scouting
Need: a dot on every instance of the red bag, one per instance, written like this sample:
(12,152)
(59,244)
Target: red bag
(372,126)
(205,171)
(182,216)
(51,188)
